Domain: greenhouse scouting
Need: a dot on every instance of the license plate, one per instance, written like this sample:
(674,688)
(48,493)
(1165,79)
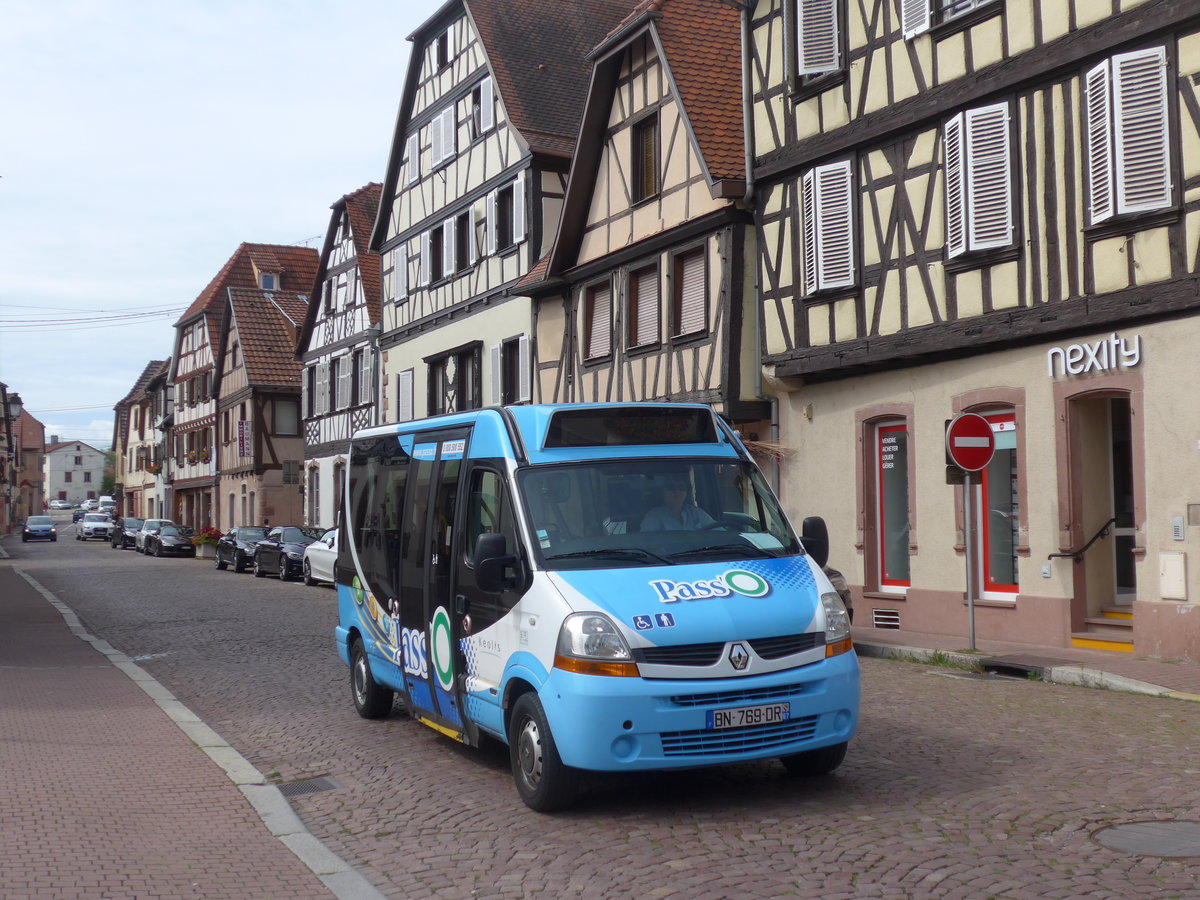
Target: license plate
(746,716)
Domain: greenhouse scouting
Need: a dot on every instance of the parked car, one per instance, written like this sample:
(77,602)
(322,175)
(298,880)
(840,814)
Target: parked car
(60,504)
(282,551)
(319,558)
(39,528)
(94,525)
(79,513)
(149,526)
(91,505)
(108,505)
(169,540)
(124,533)
(236,547)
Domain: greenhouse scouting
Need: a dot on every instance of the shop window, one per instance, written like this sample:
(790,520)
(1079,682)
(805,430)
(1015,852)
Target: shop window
(998,516)
(891,460)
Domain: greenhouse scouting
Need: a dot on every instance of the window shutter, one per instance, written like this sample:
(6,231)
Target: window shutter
(423,275)
(404,396)
(691,294)
(914,17)
(435,140)
(989,177)
(401,272)
(448,262)
(487,104)
(365,381)
(518,207)
(322,388)
(496,375)
(472,237)
(808,216)
(345,380)
(817,42)
(646,313)
(600,322)
(835,225)
(449,142)
(450,49)
(1142,154)
(413,159)
(491,224)
(956,210)
(1099,143)
(524,393)
(304,399)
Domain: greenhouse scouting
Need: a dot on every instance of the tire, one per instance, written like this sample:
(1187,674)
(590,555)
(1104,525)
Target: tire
(258,570)
(220,564)
(309,581)
(371,701)
(811,763)
(24,540)
(543,781)
(283,569)
(239,561)
(158,551)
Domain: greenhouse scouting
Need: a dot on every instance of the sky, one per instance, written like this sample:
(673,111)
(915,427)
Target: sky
(142,142)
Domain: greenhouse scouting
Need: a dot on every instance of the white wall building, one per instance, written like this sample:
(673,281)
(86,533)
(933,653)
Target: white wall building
(73,471)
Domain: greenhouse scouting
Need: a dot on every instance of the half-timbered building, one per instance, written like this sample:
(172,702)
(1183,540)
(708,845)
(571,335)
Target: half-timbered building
(339,346)
(266,267)
(646,293)
(474,185)
(136,447)
(989,206)
(259,441)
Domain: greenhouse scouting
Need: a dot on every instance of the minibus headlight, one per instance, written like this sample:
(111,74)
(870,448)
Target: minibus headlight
(837,620)
(591,636)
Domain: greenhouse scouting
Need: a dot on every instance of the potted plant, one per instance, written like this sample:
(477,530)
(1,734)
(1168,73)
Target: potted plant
(205,542)
(191,456)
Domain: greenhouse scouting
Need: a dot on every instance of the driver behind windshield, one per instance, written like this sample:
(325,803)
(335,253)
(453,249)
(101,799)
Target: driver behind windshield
(677,511)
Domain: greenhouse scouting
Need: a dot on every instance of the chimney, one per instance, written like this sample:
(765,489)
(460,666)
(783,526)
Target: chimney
(54,438)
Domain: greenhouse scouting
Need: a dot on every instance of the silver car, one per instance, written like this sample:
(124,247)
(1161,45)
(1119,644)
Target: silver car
(150,526)
(94,525)
(320,557)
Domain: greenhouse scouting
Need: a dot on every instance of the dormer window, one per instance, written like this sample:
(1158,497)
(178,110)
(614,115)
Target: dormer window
(268,281)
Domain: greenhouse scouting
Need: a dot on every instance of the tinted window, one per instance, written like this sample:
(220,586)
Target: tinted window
(251,534)
(40,520)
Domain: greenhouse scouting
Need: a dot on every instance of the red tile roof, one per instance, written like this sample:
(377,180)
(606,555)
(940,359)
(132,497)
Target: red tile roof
(139,386)
(266,323)
(296,267)
(361,207)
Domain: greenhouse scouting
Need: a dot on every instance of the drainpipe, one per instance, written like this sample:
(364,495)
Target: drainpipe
(748,202)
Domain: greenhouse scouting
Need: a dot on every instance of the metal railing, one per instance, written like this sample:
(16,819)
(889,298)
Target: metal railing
(1077,555)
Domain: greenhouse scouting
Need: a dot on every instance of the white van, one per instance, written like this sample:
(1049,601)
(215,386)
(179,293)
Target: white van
(609,587)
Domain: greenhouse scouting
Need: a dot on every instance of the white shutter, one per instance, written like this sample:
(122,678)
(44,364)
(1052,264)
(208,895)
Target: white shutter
(365,379)
(1099,143)
(956,208)
(450,49)
(472,236)
(423,275)
(1142,151)
(835,225)
(490,244)
(600,322)
(808,217)
(692,299)
(304,382)
(496,373)
(404,396)
(448,261)
(524,392)
(449,135)
(401,272)
(412,158)
(989,177)
(817,41)
(435,141)
(345,386)
(914,17)
(518,208)
(322,388)
(646,297)
(487,104)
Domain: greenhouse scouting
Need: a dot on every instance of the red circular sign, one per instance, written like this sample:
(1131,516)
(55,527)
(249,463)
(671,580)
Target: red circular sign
(970,442)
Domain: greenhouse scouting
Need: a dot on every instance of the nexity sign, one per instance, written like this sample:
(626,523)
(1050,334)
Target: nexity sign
(1113,352)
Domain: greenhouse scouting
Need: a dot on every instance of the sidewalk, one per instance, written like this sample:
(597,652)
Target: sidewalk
(1063,665)
(114,789)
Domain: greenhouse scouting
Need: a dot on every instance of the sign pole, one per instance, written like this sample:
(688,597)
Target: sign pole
(969,514)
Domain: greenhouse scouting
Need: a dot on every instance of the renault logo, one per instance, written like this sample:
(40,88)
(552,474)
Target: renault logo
(739,656)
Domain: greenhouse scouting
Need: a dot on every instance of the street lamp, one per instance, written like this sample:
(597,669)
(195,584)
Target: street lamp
(15,405)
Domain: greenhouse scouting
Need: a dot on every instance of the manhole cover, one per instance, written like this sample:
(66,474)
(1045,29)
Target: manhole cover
(307,786)
(1152,838)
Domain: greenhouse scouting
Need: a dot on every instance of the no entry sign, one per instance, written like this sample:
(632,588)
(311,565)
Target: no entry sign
(970,442)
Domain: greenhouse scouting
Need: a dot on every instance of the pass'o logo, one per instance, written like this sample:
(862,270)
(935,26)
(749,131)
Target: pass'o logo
(442,648)
(735,581)
(746,583)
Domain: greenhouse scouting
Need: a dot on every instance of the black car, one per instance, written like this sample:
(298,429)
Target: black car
(79,513)
(236,547)
(124,533)
(282,551)
(170,540)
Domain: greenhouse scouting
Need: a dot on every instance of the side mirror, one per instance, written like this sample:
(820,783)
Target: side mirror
(491,561)
(815,537)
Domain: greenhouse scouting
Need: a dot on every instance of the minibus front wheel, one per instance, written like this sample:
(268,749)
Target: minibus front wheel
(370,700)
(544,783)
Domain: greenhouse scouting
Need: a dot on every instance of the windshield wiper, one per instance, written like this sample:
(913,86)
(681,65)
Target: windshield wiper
(741,549)
(614,553)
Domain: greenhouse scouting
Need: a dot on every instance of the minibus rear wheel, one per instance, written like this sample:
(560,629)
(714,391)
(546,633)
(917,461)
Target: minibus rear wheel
(815,762)
(544,783)
(370,700)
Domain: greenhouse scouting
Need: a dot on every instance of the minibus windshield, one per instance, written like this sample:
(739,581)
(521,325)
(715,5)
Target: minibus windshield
(638,512)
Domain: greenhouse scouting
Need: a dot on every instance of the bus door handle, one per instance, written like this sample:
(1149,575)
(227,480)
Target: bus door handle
(461,605)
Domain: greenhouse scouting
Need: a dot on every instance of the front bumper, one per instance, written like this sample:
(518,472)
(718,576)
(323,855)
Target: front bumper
(171,550)
(89,532)
(38,535)
(627,724)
